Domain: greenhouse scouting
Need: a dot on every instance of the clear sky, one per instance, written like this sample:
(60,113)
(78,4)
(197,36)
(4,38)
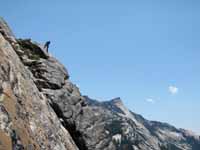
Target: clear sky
(146,52)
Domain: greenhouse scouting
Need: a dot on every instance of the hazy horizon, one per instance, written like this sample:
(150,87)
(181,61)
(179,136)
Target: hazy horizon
(147,53)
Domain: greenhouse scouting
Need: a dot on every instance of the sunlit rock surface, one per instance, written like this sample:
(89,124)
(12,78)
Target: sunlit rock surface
(27,121)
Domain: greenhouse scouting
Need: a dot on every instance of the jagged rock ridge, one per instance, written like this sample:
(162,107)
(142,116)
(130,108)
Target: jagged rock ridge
(132,131)
(42,109)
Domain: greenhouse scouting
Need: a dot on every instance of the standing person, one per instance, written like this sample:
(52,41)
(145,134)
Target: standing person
(46,46)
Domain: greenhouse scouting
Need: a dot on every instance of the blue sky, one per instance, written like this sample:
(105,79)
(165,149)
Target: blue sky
(146,52)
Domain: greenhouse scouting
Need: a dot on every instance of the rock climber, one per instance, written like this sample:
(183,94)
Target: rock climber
(46,46)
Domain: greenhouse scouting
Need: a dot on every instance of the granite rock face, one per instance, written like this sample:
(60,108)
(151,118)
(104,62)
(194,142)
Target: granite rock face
(40,108)
(27,121)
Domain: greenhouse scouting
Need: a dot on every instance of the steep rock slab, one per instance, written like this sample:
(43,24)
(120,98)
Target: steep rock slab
(26,119)
(52,80)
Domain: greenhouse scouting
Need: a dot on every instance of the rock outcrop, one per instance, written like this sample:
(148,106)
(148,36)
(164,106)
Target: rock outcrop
(27,121)
(40,108)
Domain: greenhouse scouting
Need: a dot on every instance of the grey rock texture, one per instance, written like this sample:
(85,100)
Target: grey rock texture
(52,80)
(40,108)
(130,131)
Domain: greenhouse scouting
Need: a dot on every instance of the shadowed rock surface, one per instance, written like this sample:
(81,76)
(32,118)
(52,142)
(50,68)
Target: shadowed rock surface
(40,108)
